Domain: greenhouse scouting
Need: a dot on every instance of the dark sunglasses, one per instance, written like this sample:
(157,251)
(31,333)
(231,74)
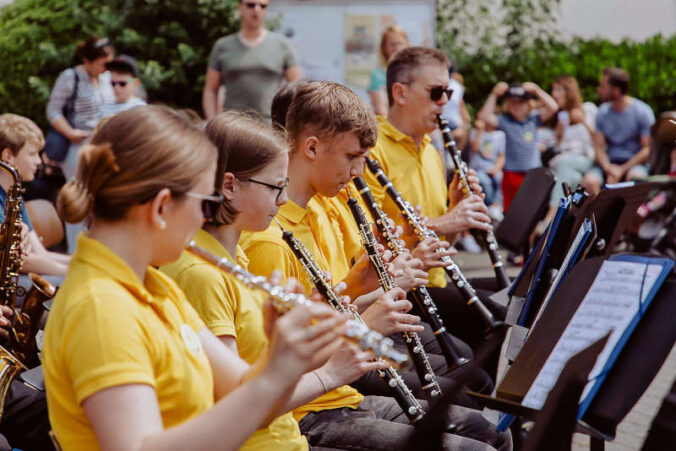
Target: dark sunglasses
(122,84)
(209,203)
(280,189)
(252,5)
(437,91)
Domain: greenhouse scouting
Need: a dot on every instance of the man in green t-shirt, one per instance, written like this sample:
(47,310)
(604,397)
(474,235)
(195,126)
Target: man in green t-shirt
(251,64)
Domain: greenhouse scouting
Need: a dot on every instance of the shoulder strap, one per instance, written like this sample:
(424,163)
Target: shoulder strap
(70,105)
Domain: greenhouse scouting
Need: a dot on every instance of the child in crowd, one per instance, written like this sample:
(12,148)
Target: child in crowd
(124,78)
(520,126)
(487,158)
(20,143)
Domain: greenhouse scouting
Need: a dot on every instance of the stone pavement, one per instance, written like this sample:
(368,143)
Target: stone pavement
(632,430)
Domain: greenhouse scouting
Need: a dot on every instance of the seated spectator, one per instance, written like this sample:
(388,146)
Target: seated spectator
(622,137)
(520,127)
(574,150)
(21,141)
(124,79)
(487,158)
(393,39)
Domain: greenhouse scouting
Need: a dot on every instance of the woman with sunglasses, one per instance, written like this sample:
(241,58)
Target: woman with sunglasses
(128,363)
(252,177)
(251,64)
(88,87)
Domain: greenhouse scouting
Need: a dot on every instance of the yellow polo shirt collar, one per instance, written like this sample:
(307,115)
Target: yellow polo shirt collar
(386,128)
(154,292)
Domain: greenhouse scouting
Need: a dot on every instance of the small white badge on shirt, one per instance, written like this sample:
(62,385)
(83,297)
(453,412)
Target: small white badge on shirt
(191,340)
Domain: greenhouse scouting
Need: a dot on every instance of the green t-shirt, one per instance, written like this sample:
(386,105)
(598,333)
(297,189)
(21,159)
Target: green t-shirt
(252,76)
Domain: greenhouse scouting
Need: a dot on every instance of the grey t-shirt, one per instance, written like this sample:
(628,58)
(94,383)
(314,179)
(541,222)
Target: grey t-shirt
(252,76)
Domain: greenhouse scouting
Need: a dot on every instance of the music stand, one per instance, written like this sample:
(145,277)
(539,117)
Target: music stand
(639,361)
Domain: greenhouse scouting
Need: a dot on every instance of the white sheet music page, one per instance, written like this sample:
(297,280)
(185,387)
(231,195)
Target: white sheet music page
(610,304)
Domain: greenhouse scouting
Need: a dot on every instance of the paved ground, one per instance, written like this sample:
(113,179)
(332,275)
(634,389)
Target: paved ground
(632,431)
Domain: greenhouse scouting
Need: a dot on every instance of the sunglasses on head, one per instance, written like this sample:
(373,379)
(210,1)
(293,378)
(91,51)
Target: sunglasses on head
(209,203)
(252,5)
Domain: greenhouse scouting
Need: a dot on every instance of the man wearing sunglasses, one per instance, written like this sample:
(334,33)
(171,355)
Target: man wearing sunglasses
(251,64)
(417,90)
(124,79)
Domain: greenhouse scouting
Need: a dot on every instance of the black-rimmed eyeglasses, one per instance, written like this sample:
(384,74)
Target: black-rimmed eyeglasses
(209,203)
(280,188)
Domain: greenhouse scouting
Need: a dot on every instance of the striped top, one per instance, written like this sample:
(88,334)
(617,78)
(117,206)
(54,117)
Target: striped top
(88,101)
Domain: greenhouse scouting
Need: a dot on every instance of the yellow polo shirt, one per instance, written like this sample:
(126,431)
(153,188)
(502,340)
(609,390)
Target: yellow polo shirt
(107,328)
(416,173)
(267,251)
(230,308)
(341,218)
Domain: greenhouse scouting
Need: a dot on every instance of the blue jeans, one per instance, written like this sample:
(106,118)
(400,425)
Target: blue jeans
(491,186)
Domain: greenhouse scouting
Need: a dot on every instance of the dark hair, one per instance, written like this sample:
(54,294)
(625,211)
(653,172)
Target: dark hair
(245,146)
(282,101)
(94,47)
(618,78)
(130,158)
(404,64)
(329,108)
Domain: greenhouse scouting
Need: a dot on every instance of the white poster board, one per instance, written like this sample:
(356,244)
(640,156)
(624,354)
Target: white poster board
(339,40)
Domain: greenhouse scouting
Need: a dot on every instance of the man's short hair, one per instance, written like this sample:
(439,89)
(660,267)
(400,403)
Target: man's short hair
(618,78)
(327,108)
(16,131)
(404,64)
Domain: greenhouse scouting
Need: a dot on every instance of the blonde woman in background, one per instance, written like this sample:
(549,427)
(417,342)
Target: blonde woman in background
(392,40)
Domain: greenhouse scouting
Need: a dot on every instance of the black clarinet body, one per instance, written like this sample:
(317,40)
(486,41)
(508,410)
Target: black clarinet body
(423,232)
(423,368)
(484,237)
(420,295)
(390,376)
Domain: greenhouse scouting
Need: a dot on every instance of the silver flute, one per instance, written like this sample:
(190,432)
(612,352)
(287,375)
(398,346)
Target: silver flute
(400,391)
(283,301)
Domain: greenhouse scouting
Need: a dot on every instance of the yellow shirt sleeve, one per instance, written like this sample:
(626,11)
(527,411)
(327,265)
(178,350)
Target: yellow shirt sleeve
(96,362)
(207,292)
(266,256)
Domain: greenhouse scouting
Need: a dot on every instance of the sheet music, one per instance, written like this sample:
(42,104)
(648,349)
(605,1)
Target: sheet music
(609,305)
(582,234)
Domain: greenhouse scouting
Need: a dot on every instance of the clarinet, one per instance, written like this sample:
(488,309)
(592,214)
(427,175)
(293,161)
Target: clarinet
(487,237)
(400,391)
(283,301)
(423,232)
(420,294)
(421,363)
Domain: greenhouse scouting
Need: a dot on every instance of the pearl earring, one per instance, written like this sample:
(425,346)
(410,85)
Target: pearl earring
(163,224)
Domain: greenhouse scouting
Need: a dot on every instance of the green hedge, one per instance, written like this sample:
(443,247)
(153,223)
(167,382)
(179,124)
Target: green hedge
(649,63)
(171,39)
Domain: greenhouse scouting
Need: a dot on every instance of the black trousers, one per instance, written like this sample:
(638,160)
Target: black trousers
(455,382)
(25,424)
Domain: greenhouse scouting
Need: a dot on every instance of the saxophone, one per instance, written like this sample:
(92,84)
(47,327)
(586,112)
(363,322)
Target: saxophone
(400,391)
(10,265)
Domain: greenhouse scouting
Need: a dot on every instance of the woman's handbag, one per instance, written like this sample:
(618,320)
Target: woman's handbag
(56,145)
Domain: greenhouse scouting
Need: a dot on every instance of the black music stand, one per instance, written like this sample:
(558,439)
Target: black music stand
(613,212)
(527,208)
(639,361)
